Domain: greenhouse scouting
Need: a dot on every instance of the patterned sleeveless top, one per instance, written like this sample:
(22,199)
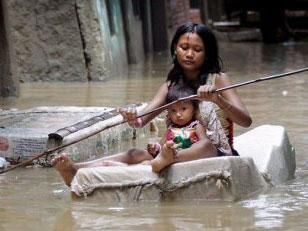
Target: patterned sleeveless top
(226,123)
(216,123)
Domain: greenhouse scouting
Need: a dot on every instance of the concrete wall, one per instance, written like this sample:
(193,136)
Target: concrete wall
(114,44)
(8,84)
(73,40)
(93,28)
(44,40)
(133,33)
(55,40)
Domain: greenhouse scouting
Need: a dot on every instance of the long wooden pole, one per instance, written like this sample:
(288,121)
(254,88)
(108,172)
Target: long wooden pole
(192,97)
(264,79)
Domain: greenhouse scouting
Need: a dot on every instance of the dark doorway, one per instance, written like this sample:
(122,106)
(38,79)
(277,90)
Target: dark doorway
(4,57)
(159,27)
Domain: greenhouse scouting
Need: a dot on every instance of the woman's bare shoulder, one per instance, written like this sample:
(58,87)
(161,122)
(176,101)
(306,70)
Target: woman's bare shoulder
(164,85)
(160,96)
(163,89)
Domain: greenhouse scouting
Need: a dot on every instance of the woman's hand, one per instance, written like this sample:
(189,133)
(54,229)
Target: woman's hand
(130,115)
(207,93)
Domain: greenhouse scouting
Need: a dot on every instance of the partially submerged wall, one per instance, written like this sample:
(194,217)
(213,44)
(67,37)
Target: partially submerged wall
(53,40)
(45,42)
(134,37)
(103,37)
(8,84)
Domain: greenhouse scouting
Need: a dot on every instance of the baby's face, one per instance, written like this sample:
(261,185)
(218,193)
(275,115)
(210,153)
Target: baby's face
(181,113)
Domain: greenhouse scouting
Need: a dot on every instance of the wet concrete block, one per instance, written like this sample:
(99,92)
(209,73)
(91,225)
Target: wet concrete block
(24,133)
(22,143)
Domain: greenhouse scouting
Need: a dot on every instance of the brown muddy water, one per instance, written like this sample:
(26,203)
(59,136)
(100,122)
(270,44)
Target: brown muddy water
(37,199)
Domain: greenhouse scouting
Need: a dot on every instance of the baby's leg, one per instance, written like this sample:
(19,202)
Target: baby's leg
(165,158)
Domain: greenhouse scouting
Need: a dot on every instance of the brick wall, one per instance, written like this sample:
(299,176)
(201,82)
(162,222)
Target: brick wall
(178,13)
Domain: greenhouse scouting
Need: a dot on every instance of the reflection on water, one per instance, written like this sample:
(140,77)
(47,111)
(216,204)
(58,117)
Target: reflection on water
(284,206)
(32,199)
(187,216)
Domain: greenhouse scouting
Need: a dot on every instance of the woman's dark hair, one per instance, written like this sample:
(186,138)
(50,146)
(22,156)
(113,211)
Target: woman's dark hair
(212,64)
(181,90)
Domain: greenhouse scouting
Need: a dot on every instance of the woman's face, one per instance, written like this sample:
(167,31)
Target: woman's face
(190,52)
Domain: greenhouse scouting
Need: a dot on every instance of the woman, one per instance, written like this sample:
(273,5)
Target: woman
(197,64)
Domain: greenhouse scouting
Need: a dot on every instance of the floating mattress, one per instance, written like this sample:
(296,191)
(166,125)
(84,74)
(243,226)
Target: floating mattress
(266,158)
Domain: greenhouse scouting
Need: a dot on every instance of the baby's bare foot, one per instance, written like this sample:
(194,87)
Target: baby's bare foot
(66,167)
(165,158)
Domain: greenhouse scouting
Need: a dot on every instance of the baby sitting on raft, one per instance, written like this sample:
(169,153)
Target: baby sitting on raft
(185,139)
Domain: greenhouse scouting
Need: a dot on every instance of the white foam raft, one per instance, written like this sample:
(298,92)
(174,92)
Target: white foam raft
(266,159)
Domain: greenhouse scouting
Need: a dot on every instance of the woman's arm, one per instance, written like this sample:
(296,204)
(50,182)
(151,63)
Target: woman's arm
(228,100)
(231,103)
(200,131)
(158,100)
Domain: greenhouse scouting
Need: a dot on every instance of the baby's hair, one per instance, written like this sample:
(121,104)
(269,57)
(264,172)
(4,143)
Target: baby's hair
(177,91)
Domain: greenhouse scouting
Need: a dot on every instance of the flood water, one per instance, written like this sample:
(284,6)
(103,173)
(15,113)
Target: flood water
(37,199)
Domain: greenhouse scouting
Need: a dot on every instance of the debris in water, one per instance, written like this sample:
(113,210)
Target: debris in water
(284,93)
(3,163)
